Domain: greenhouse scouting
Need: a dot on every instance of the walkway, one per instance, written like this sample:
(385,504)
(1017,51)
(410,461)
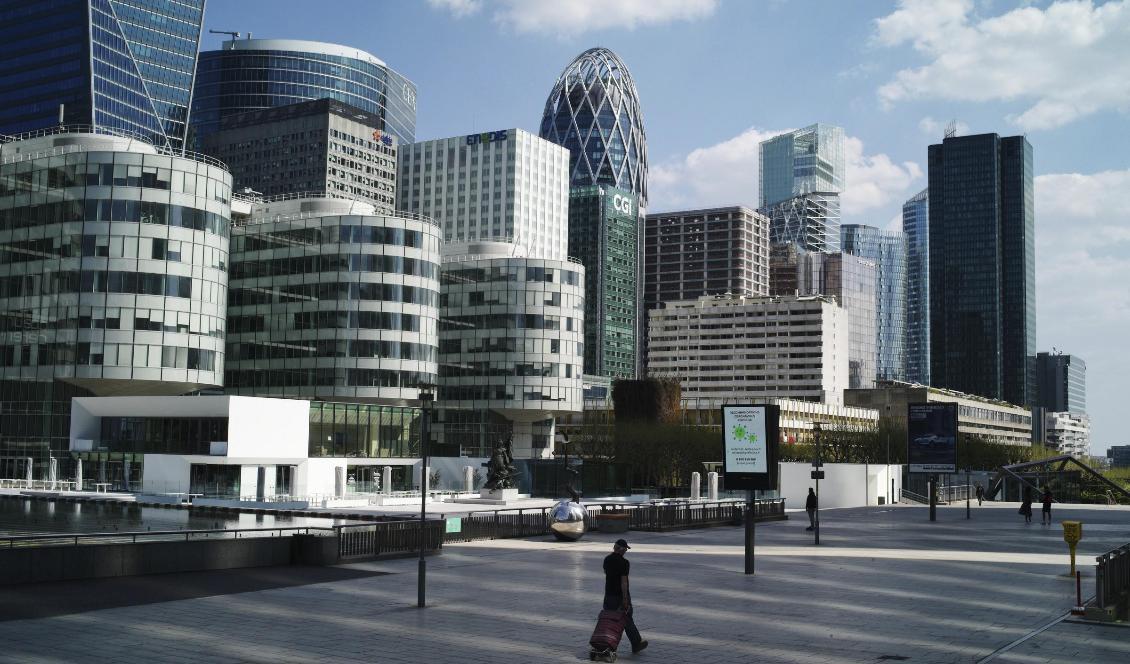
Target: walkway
(885,585)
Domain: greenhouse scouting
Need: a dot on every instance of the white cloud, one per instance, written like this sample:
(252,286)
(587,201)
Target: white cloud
(873,181)
(727,174)
(574,17)
(1067,60)
(1082,292)
(458,8)
(937,128)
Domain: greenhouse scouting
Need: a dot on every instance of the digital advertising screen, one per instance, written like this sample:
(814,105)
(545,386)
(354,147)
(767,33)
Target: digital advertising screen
(931,437)
(750,437)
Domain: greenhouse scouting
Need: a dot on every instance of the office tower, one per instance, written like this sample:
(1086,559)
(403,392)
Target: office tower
(800,162)
(705,252)
(887,249)
(114,64)
(332,300)
(727,346)
(506,185)
(916,227)
(511,340)
(604,233)
(1061,383)
(982,267)
(253,74)
(847,278)
(594,111)
(113,281)
(801,178)
(322,146)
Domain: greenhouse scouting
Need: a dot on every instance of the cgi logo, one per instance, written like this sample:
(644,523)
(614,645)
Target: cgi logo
(487,137)
(622,204)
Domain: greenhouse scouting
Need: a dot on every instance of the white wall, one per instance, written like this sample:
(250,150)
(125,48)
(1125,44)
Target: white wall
(844,484)
(268,427)
(164,473)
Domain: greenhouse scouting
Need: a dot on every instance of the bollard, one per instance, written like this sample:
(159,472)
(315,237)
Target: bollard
(386,480)
(1072,533)
(696,486)
(712,487)
(468,479)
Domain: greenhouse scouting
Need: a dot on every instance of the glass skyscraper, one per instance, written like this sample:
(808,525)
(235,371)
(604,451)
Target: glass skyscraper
(126,65)
(982,267)
(253,74)
(916,227)
(594,110)
(1061,382)
(888,250)
(800,162)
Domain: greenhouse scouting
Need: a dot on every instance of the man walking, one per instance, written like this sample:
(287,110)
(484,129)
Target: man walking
(810,507)
(616,594)
(980,494)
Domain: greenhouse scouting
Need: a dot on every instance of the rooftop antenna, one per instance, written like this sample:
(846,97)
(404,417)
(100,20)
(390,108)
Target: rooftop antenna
(234,35)
(951,129)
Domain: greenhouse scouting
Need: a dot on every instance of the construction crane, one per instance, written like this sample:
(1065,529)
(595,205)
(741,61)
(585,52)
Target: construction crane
(234,35)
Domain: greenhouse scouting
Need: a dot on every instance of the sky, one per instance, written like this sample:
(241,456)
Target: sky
(716,77)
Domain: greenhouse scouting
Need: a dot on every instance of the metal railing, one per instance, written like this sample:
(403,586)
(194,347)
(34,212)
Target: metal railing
(102,131)
(950,494)
(77,539)
(503,524)
(915,497)
(1112,577)
(389,537)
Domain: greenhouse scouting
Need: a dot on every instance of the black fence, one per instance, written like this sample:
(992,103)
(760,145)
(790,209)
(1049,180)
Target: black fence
(388,538)
(502,524)
(1112,577)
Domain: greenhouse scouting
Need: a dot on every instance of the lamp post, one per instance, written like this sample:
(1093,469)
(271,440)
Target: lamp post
(819,465)
(426,398)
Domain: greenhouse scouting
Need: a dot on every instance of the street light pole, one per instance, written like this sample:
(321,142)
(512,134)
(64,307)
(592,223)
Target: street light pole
(426,397)
(819,467)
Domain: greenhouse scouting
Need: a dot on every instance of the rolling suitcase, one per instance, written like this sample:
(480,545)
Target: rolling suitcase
(606,637)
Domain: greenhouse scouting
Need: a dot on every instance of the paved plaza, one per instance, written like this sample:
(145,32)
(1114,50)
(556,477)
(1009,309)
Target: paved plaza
(885,585)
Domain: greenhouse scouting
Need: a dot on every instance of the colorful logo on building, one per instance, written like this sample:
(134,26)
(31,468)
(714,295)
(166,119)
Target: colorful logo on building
(486,137)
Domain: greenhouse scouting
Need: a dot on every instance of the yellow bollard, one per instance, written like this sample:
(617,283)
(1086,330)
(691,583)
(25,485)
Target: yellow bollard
(1072,533)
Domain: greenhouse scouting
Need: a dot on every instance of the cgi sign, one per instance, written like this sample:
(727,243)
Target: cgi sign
(487,137)
(622,204)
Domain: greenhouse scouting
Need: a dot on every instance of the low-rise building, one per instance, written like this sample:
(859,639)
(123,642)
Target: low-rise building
(1067,432)
(752,347)
(1119,456)
(994,420)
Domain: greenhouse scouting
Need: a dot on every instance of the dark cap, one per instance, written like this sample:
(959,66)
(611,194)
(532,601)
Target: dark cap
(623,543)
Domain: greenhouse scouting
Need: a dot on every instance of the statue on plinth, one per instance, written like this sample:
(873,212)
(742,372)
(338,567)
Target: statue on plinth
(501,473)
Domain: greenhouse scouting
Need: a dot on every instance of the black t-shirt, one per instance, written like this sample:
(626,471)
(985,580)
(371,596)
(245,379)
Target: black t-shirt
(615,567)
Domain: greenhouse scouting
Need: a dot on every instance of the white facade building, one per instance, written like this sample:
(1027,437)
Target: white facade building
(752,347)
(504,185)
(1068,432)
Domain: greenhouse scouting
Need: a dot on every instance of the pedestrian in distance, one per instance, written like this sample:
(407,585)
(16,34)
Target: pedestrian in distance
(1026,506)
(980,494)
(810,507)
(617,594)
(1046,514)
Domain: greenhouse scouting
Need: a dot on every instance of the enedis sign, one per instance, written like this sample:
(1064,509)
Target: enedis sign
(486,137)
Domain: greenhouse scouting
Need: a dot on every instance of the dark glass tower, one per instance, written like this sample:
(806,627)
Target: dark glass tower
(916,227)
(1062,383)
(254,74)
(117,64)
(982,267)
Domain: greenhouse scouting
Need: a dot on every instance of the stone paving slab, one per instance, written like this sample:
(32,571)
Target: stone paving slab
(884,585)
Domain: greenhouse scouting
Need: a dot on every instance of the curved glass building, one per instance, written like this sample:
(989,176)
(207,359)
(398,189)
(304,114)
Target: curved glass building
(594,110)
(253,74)
(888,250)
(113,279)
(511,347)
(333,301)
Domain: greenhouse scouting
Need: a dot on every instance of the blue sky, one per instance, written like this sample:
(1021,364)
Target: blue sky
(717,76)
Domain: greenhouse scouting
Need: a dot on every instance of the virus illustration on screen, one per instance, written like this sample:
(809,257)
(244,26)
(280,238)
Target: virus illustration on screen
(740,433)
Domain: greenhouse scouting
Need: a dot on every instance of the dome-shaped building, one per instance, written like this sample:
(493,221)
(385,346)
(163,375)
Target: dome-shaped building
(594,110)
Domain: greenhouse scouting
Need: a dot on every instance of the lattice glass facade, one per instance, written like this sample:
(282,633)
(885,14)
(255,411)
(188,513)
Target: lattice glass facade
(887,249)
(804,161)
(603,234)
(253,74)
(330,300)
(113,278)
(916,227)
(117,64)
(594,111)
(809,221)
(982,267)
